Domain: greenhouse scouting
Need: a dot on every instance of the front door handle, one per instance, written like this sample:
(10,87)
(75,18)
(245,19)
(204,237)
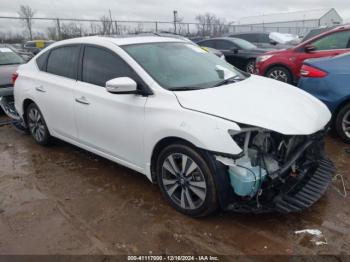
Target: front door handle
(40,89)
(82,100)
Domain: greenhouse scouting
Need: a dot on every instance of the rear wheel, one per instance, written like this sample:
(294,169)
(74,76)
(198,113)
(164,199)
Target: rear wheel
(186,180)
(280,73)
(37,125)
(342,123)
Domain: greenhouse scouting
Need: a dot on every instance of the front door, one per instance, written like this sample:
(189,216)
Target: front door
(112,124)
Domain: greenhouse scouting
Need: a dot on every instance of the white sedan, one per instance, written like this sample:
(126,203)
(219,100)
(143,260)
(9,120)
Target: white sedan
(208,134)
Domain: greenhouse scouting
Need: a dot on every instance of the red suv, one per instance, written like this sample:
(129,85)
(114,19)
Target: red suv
(284,65)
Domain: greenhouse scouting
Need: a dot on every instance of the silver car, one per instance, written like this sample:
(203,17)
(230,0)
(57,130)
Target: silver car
(9,61)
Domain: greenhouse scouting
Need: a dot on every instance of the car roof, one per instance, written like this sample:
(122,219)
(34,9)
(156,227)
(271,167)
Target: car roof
(120,40)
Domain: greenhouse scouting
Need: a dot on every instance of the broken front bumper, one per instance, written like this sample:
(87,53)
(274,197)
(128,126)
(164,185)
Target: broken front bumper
(308,191)
(293,196)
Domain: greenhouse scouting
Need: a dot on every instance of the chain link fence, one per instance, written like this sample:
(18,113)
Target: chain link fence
(14,29)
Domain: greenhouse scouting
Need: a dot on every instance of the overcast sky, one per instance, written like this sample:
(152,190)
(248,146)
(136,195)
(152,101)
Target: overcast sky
(161,10)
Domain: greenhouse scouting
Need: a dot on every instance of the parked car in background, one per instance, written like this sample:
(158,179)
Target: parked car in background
(328,79)
(36,46)
(264,40)
(204,131)
(20,51)
(238,52)
(285,65)
(9,62)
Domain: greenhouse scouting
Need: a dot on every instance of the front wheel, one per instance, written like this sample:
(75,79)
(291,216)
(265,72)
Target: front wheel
(186,180)
(280,73)
(342,123)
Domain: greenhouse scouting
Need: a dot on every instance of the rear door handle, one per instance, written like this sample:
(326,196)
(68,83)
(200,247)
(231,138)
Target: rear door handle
(40,89)
(82,100)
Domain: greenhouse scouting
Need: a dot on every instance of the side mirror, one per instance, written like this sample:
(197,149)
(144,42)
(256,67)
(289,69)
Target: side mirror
(121,85)
(273,42)
(310,48)
(234,50)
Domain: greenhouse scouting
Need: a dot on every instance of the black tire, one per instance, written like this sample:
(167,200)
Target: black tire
(250,66)
(342,123)
(189,197)
(280,73)
(37,125)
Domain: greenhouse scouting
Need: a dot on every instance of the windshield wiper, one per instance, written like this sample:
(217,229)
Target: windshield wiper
(184,88)
(229,80)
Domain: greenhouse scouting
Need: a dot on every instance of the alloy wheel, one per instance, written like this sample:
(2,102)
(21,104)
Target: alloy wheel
(183,181)
(36,124)
(250,68)
(346,124)
(278,75)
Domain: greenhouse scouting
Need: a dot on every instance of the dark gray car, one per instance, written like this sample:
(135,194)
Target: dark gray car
(237,52)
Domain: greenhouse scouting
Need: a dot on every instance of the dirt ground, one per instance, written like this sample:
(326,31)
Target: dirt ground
(63,200)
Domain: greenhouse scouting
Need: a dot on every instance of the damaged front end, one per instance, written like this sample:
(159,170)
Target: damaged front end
(276,172)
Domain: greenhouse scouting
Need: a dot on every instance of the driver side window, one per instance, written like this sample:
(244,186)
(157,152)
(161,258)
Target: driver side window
(339,40)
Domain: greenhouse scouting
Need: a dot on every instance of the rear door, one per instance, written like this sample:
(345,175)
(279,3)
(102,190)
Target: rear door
(328,45)
(112,124)
(54,88)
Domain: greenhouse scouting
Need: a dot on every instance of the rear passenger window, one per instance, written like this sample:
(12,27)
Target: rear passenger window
(100,65)
(41,61)
(63,61)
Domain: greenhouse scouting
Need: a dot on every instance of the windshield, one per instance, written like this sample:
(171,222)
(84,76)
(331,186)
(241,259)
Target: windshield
(8,57)
(182,66)
(244,44)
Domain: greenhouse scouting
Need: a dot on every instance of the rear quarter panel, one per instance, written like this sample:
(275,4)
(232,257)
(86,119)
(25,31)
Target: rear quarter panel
(332,90)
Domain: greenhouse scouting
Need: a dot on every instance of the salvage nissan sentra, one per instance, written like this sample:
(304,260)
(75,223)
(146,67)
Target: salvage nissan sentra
(208,134)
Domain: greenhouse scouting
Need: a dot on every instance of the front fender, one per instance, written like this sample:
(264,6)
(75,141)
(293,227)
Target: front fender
(202,130)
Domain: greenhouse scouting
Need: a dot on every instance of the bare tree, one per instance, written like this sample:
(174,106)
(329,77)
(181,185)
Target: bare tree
(107,25)
(219,27)
(205,23)
(70,30)
(27,13)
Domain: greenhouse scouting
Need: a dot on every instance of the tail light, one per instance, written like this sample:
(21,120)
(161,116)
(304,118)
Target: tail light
(309,71)
(14,78)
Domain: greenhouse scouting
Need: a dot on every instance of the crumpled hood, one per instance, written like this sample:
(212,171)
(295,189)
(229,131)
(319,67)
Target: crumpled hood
(261,102)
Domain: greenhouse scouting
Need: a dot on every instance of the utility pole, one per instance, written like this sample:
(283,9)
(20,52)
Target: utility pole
(175,20)
(58,29)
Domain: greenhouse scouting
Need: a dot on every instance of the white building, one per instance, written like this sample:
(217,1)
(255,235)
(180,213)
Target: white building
(293,22)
